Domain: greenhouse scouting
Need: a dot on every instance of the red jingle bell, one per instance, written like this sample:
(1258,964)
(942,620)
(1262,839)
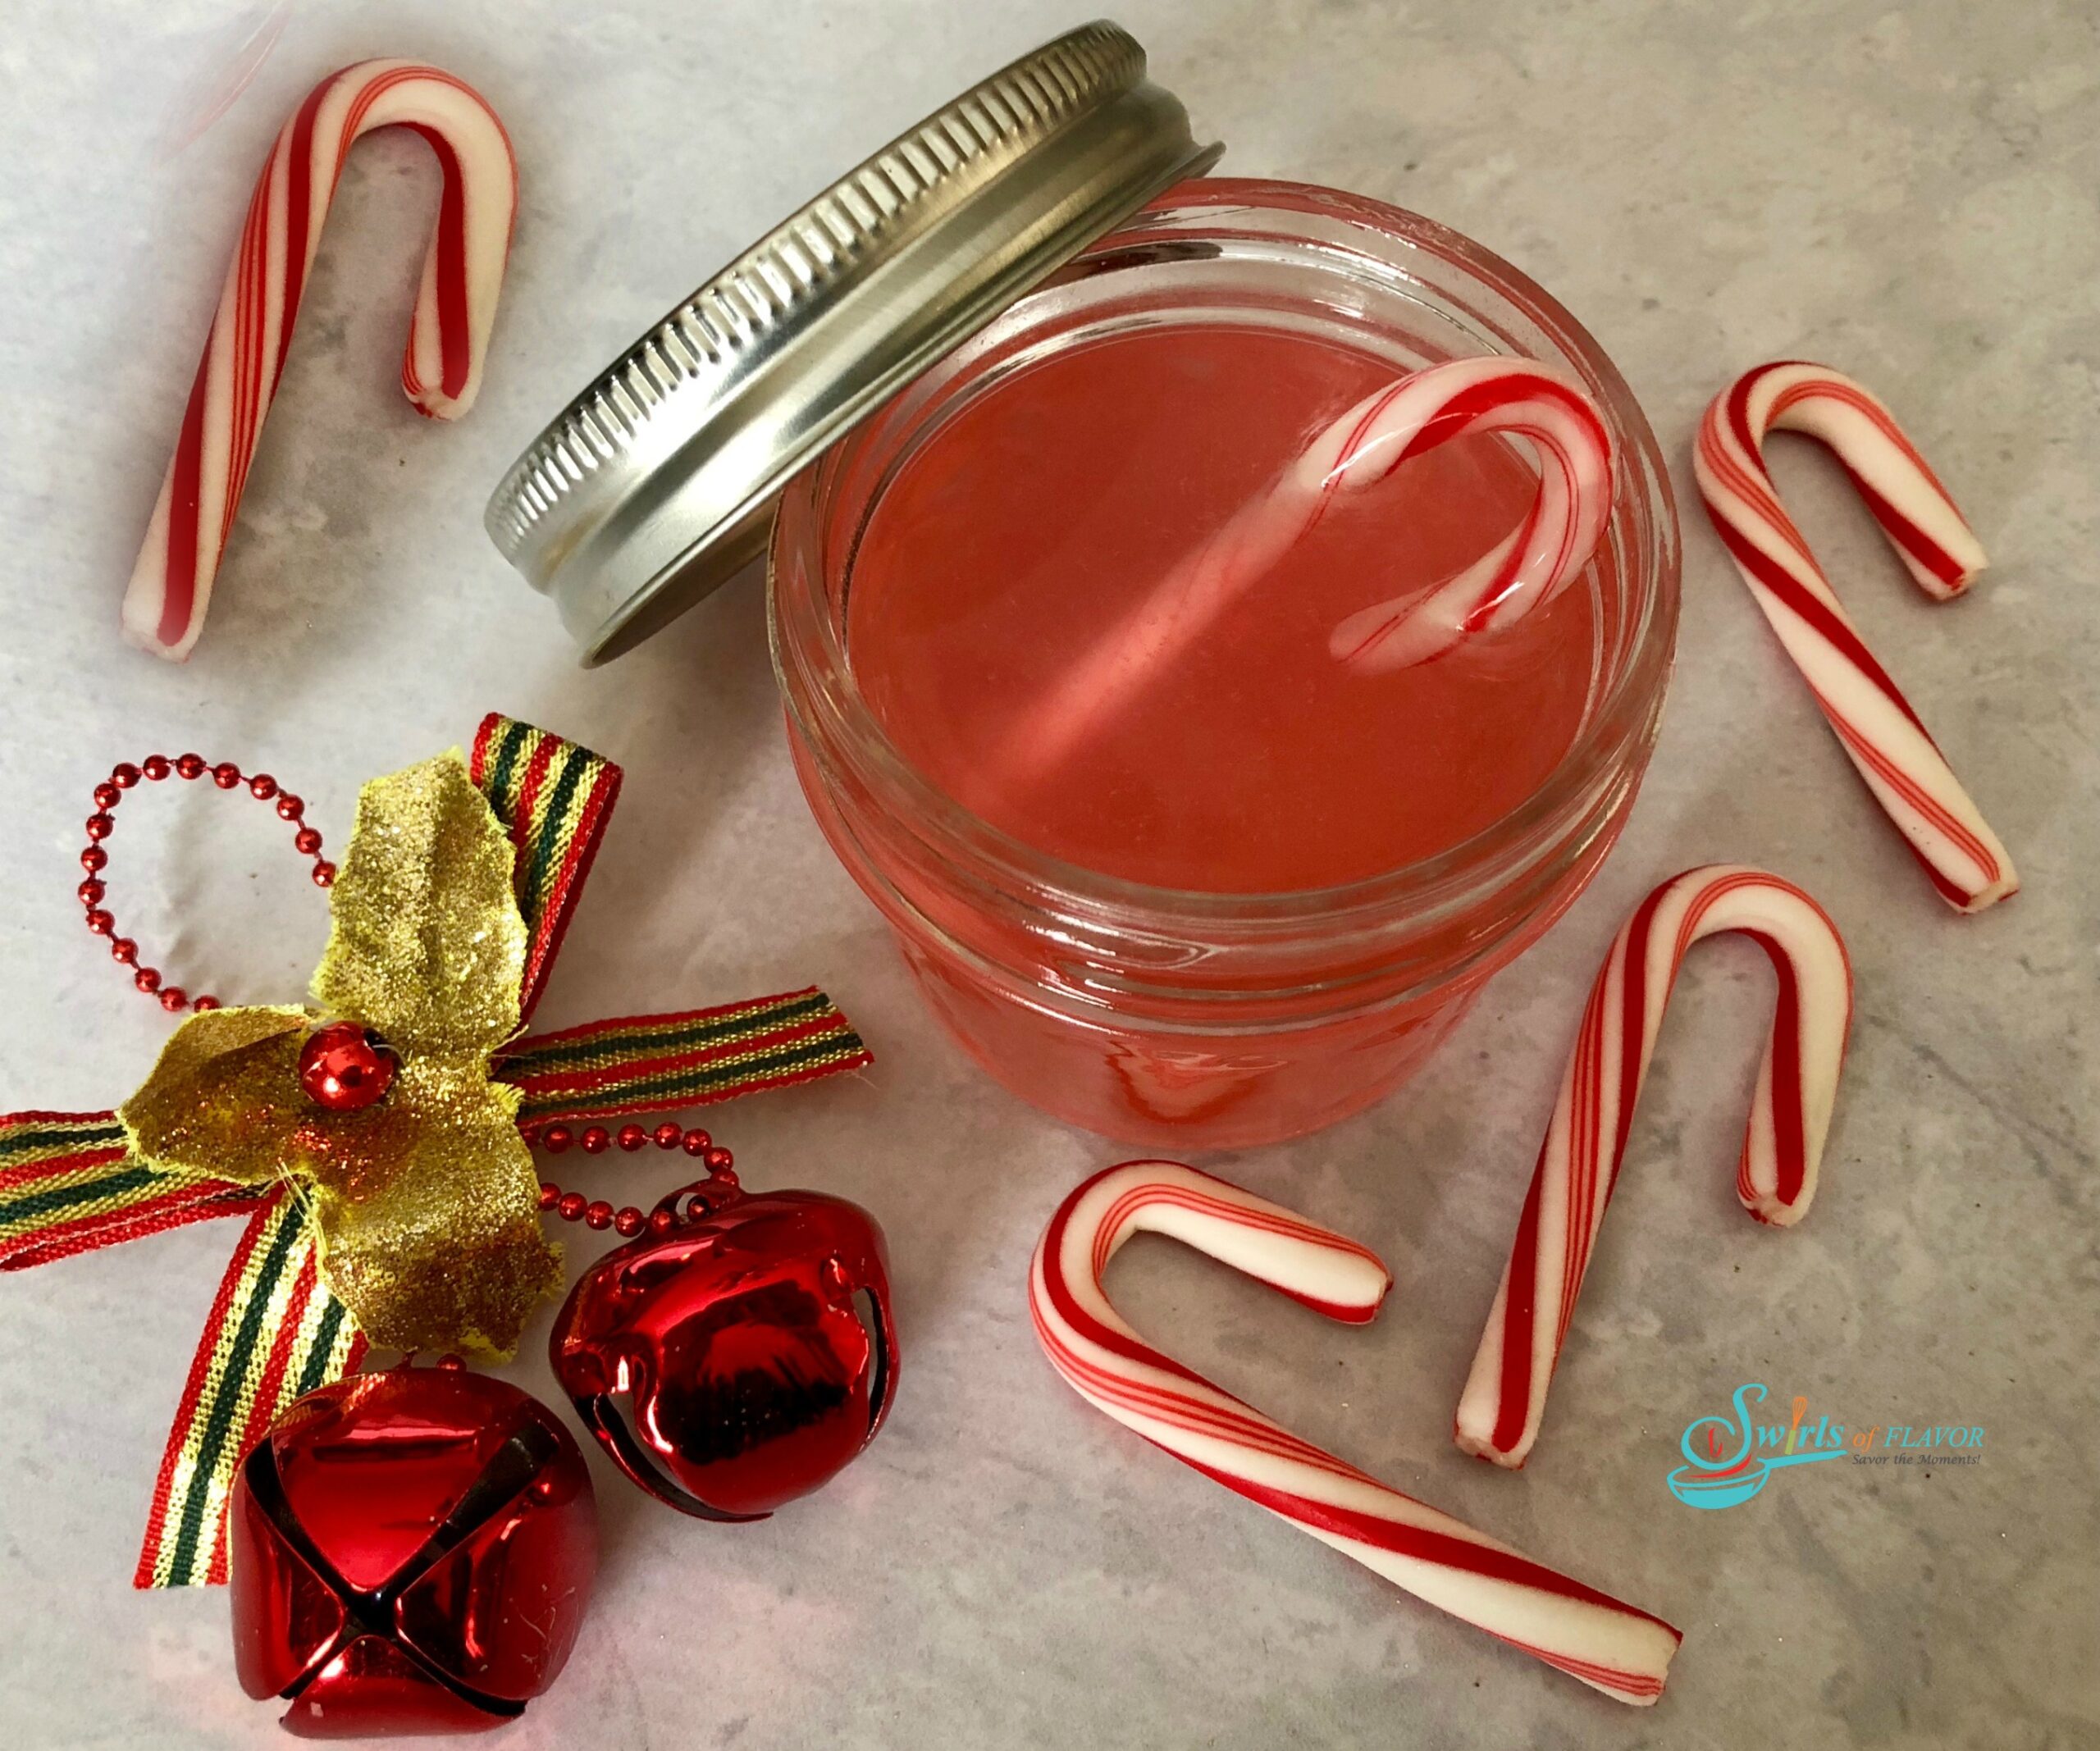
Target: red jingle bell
(751,1334)
(409,1552)
(345,1068)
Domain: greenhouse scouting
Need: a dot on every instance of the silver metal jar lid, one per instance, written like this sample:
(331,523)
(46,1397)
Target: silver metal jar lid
(658,482)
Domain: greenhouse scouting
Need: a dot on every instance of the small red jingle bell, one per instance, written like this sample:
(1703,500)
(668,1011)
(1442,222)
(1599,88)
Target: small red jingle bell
(410,1552)
(751,1335)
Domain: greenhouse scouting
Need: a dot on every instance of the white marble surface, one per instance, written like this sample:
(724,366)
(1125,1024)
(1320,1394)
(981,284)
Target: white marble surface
(1907,191)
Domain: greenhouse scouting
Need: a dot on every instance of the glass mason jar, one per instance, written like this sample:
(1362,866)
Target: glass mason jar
(1198,1019)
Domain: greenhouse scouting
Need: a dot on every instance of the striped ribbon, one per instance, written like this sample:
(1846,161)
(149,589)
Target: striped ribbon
(555,798)
(275,1332)
(69,1182)
(647,1063)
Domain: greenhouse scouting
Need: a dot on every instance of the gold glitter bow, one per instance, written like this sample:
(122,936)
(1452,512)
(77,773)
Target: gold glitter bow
(425,1204)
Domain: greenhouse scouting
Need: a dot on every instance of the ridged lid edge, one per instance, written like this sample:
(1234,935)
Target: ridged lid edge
(704,336)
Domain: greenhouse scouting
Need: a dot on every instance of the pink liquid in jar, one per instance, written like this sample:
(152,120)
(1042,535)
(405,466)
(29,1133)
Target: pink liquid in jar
(1033,524)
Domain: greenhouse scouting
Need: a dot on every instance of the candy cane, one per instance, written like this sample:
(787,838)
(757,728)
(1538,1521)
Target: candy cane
(1883,737)
(1528,568)
(1619,1650)
(245,357)
(1585,1145)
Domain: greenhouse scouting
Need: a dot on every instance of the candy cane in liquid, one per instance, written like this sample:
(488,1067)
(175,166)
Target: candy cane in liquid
(1026,526)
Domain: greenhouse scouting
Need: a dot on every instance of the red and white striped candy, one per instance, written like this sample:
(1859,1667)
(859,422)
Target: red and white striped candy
(1528,568)
(1584,1146)
(1883,736)
(1622,1651)
(447,338)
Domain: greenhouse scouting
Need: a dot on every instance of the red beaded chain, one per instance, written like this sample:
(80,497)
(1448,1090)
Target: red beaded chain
(594,1140)
(103,822)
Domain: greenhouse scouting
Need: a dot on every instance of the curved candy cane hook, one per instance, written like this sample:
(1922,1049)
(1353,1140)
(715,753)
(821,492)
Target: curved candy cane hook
(1623,1651)
(252,331)
(1504,1397)
(1883,737)
(1528,568)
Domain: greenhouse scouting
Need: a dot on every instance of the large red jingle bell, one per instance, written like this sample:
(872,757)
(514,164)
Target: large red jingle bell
(750,1336)
(411,1552)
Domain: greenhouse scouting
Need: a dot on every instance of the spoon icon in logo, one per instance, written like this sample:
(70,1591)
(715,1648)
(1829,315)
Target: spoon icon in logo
(1718,1483)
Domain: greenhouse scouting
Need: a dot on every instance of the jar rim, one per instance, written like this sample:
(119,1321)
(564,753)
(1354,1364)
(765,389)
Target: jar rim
(1424,887)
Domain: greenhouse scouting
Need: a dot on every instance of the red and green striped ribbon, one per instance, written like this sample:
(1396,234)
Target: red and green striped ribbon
(555,798)
(648,1063)
(69,1182)
(275,1332)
